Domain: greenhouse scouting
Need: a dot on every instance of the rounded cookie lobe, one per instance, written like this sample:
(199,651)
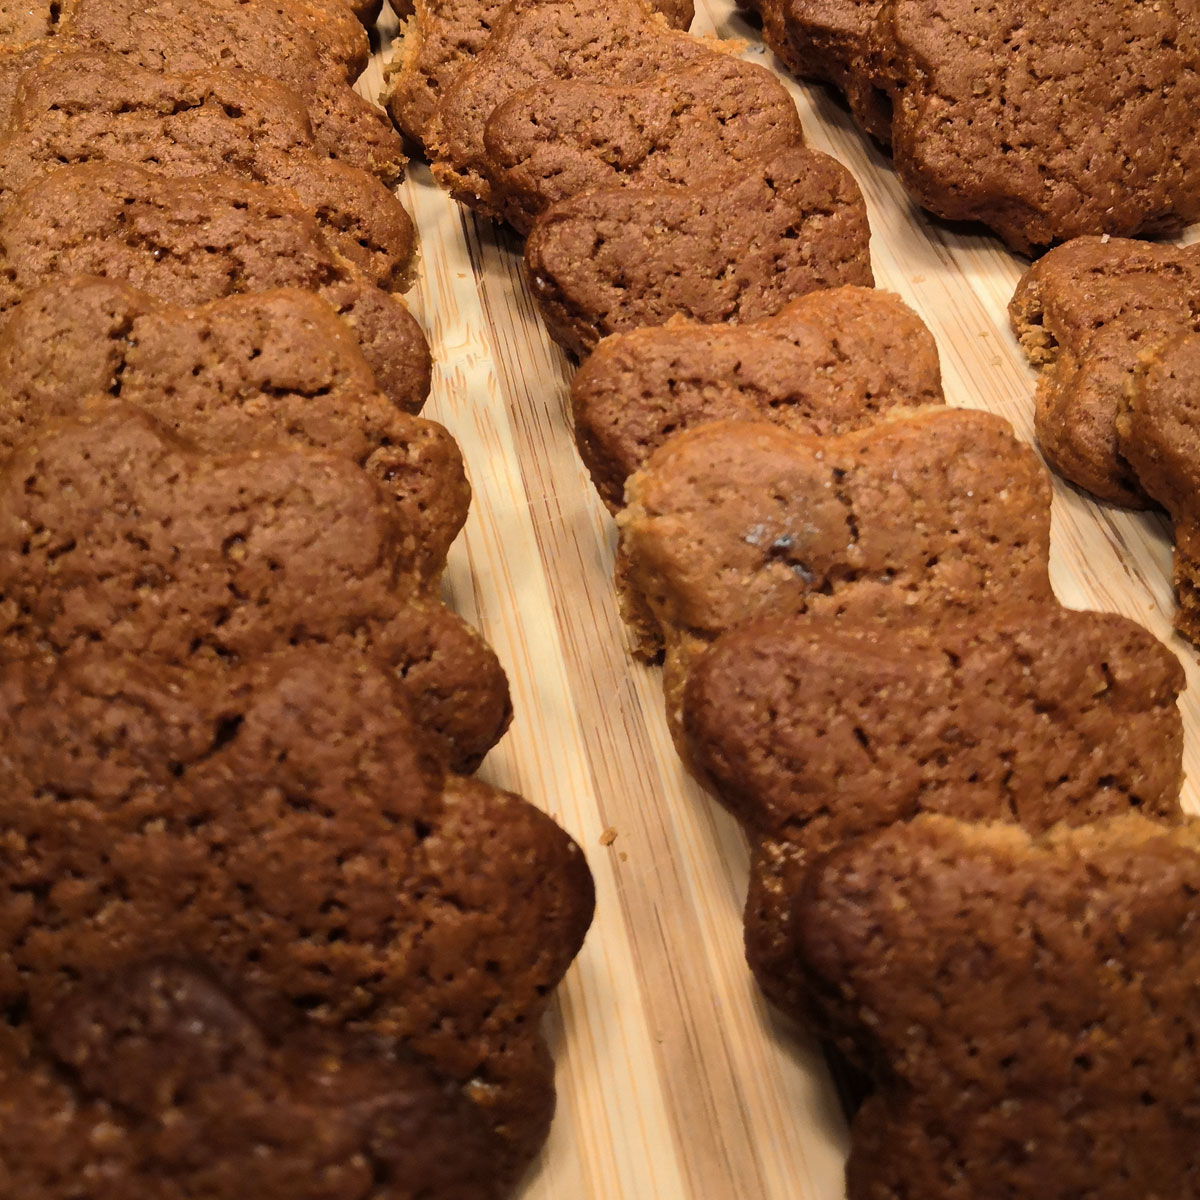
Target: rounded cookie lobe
(734,249)
(188,241)
(824,364)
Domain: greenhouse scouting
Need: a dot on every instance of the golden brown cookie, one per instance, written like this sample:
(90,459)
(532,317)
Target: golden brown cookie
(282,822)
(735,249)
(441,38)
(1083,313)
(937,512)
(192,240)
(815,732)
(81,108)
(680,128)
(1025,1005)
(825,363)
(114,530)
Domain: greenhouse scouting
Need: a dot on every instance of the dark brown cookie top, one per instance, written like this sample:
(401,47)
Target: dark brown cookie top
(683,127)
(288,40)
(535,42)
(815,732)
(1027,1004)
(172,1091)
(247,372)
(1046,121)
(197,239)
(284,823)
(941,512)
(117,531)
(1084,313)
(445,35)
(825,363)
(80,108)
(735,248)
(23,21)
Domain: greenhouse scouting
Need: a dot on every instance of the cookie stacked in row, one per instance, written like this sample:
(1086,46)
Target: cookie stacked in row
(1045,122)
(261,928)
(655,174)
(1115,326)
(961,798)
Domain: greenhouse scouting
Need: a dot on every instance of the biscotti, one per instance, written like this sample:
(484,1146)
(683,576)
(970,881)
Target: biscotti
(1083,313)
(940,511)
(114,530)
(1024,1003)
(80,108)
(442,37)
(193,240)
(283,823)
(246,372)
(817,731)
(277,40)
(683,127)
(735,249)
(824,364)
(620,42)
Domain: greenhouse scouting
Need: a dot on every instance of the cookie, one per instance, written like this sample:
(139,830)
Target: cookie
(1159,436)
(283,823)
(936,512)
(734,249)
(152,1081)
(1083,314)
(285,40)
(189,241)
(620,42)
(23,21)
(113,529)
(833,43)
(443,36)
(80,108)
(1026,1005)
(826,363)
(681,128)
(246,372)
(1045,122)
(815,732)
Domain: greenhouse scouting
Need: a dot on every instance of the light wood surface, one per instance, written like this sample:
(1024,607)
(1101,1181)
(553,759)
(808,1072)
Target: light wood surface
(675,1080)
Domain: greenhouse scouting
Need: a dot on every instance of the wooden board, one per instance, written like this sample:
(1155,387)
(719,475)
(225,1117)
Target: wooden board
(675,1080)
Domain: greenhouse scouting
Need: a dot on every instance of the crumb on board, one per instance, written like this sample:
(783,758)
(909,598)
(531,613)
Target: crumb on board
(608,836)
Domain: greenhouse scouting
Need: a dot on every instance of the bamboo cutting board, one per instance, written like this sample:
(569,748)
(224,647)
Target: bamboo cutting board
(675,1080)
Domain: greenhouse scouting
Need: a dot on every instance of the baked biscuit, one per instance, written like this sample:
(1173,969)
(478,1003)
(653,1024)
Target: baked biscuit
(286,40)
(443,36)
(152,1081)
(114,530)
(825,363)
(1159,436)
(682,127)
(736,248)
(79,108)
(23,21)
(1084,313)
(1045,121)
(283,823)
(815,732)
(189,241)
(1026,1005)
(242,373)
(940,511)
(620,42)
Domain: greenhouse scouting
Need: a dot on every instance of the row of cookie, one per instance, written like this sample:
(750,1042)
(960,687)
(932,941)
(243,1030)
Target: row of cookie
(224,535)
(1116,326)
(1045,122)
(859,631)
(655,174)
